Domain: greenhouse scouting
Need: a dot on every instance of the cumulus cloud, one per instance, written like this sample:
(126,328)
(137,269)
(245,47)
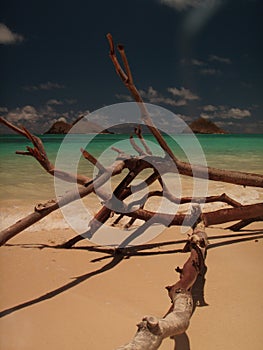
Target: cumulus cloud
(38,119)
(26,113)
(224,112)
(44,86)
(7,37)
(209,108)
(182,92)
(180,97)
(238,113)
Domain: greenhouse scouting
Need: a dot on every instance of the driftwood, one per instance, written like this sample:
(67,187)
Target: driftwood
(114,202)
(152,330)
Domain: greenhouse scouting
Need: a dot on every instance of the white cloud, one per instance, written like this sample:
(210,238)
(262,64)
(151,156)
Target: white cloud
(35,119)
(184,93)
(62,119)
(44,86)
(39,119)
(224,112)
(219,59)
(205,116)
(8,37)
(209,108)
(153,96)
(26,113)
(180,97)
(237,113)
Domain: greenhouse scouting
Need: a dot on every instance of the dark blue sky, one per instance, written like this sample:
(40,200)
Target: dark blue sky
(194,57)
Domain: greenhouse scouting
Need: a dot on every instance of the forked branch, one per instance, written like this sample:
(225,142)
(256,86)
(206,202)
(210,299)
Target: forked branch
(234,177)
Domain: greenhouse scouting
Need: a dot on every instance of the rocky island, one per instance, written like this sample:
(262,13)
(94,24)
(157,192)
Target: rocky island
(199,126)
(86,127)
(205,126)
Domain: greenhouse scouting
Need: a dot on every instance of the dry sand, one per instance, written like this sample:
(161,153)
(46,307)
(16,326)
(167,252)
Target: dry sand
(82,299)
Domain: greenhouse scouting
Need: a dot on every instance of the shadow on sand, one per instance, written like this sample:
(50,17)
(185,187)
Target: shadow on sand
(117,255)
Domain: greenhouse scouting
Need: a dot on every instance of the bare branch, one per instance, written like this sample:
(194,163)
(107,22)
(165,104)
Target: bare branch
(138,132)
(126,63)
(234,177)
(137,97)
(93,160)
(136,147)
(39,153)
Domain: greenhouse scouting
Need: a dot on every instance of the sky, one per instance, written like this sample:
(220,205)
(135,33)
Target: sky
(193,57)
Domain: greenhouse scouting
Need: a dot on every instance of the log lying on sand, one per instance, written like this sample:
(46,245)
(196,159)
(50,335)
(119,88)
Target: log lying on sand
(152,330)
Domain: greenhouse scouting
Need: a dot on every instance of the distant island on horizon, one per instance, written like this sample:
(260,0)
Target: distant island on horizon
(205,126)
(198,126)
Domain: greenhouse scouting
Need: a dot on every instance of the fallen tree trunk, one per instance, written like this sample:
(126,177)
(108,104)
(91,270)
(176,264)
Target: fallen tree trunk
(152,330)
(248,213)
(212,218)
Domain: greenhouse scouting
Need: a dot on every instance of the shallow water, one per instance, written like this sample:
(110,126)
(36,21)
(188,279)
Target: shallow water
(23,183)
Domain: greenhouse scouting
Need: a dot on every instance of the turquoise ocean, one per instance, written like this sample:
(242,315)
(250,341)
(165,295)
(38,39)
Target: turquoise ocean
(23,183)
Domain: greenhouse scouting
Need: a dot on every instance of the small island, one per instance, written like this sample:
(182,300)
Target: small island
(205,126)
(198,126)
(86,127)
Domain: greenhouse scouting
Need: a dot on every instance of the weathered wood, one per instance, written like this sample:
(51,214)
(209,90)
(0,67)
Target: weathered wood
(234,177)
(243,223)
(145,159)
(211,218)
(152,330)
(45,209)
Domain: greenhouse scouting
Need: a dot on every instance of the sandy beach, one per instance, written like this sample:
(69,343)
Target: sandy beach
(116,112)
(88,298)
(83,299)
